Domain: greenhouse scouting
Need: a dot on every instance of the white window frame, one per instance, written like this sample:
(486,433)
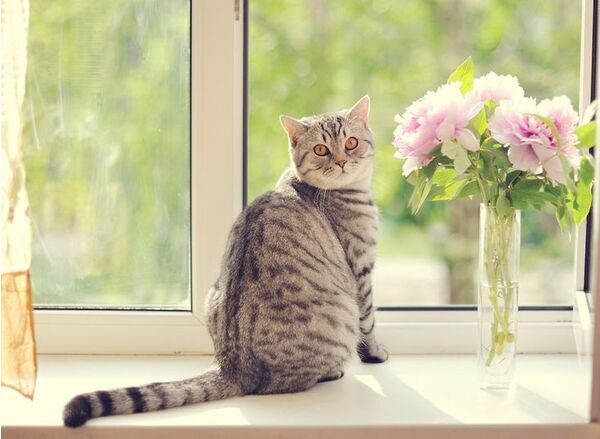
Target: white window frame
(217,56)
(216,185)
(582,307)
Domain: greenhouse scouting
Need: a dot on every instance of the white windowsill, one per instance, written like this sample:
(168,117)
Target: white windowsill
(408,390)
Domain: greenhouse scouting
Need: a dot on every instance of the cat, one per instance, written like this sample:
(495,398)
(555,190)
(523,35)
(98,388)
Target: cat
(293,303)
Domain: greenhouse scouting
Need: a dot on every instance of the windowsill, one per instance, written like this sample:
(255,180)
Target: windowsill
(408,390)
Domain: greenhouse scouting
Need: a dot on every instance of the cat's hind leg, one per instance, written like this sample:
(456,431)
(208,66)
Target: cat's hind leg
(332,376)
(289,383)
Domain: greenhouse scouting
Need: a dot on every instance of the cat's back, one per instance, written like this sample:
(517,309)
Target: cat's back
(283,229)
(284,272)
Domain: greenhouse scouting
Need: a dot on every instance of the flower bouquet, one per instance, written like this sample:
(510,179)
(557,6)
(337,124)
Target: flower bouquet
(482,137)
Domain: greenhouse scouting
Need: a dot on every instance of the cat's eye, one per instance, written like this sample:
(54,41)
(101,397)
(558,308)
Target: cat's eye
(351,143)
(321,150)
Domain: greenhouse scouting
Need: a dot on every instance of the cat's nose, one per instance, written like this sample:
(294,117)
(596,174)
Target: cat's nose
(341,163)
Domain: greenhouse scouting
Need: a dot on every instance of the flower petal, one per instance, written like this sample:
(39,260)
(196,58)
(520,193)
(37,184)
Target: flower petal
(468,140)
(449,149)
(461,162)
(415,162)
(445,130)
(524,158)
(551,163)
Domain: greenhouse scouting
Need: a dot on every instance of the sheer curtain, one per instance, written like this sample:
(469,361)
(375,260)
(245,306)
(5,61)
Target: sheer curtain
(18,342)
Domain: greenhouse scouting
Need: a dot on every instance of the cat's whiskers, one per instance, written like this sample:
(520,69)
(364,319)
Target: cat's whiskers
(328,171)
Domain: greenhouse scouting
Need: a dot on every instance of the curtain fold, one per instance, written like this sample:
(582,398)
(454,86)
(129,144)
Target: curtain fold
(19,365)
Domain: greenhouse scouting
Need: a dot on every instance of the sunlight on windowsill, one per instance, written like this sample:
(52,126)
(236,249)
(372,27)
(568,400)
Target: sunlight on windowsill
(407,390)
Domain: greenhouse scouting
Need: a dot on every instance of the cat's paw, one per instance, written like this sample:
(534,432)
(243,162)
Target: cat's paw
(372,353)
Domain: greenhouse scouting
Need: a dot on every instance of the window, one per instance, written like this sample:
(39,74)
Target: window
(337,51)
(107,145)
(218,159)
(208,35)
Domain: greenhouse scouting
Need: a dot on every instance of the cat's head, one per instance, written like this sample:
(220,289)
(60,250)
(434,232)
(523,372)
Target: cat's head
(332,150)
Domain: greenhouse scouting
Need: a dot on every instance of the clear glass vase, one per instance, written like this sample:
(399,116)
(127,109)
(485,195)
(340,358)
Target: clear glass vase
(499,249)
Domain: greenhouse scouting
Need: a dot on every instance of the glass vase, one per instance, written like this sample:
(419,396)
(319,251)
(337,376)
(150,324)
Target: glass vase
(499,249)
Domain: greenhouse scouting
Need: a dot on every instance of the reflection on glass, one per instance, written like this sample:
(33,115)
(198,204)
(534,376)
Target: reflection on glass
(336,51)
(107,152)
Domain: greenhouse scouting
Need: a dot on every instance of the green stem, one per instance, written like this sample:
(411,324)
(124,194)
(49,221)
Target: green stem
(496,262)
(492,352)
(482,190)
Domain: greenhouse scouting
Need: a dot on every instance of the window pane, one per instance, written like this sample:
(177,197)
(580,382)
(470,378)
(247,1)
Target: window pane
(336,51)
(107,143)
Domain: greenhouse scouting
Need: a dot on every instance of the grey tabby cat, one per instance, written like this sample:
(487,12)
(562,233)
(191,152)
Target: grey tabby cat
(293,302)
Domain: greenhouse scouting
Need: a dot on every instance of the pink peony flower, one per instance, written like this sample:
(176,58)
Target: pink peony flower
(560,111)
(533,146)
(497,87)
(436,117)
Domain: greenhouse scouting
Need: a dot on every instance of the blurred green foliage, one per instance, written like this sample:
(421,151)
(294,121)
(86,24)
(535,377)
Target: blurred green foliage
(106,142)
(106,133)
(311,56)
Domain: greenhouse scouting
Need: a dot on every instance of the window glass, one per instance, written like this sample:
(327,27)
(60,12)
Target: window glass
(107,150)
(311,56)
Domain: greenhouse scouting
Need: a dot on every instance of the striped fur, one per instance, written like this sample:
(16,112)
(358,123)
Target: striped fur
(293,302)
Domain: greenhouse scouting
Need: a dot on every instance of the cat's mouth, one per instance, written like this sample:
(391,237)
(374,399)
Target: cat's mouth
(342,173)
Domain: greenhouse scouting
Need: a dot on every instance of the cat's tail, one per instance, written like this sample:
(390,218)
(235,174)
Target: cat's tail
(211,385)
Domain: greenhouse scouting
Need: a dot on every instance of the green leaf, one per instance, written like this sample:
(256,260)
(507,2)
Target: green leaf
(444,176)
(468,190)
(554,195)
(500,158)
(479,122)
(447,184)
(570,182)
(415,177)
(530,185)
(519,201)
(436,183)
(491,191)
(491,105)
(563,218)
(416,195)
(436,151)
(587,135)
(557,191)
(430,169)
(448,192)
(512,177)
(527,193)
(486,166)
(583,198)
(420,194)
(550,125)
(461,186)
(444,184)
(503,205)
(583,202)
(488,143)
(464,74)
(586,171)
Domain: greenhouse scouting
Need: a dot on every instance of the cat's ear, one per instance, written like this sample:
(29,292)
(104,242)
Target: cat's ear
(294,128)
(360,110)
